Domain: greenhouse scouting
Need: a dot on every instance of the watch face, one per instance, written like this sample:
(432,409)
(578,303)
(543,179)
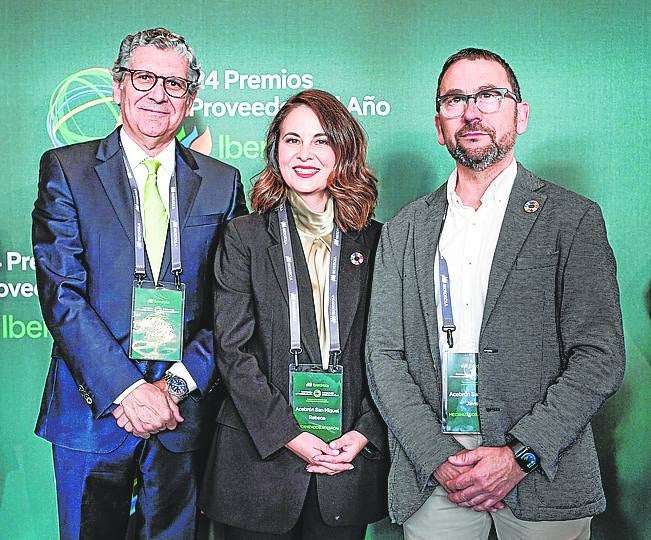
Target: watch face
(529,460)
(177,386)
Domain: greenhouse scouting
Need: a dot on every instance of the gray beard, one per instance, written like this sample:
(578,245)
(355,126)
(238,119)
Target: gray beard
(479,161)
(483,158)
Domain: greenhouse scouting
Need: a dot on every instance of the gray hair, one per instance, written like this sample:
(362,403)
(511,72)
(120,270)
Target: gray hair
(161,38)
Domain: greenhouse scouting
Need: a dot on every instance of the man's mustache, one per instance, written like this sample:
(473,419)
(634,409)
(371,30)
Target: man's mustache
(476,126)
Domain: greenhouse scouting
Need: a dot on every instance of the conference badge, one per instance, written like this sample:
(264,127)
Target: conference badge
(460,398)
(316,399)
(157,321)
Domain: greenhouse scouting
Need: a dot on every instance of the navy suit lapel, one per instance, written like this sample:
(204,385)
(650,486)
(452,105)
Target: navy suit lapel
(515,229)
(188,182)
(113,176)
(426,233)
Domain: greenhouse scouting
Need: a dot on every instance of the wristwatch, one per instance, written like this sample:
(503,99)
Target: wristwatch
(524,456)
(176,386)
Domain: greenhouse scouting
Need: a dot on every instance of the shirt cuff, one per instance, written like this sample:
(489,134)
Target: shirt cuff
(131,388)
(180,370)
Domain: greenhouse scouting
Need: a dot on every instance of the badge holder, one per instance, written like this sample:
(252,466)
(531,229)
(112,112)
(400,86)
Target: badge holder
(316,397)
(157,314)
(315,391)
(459,394)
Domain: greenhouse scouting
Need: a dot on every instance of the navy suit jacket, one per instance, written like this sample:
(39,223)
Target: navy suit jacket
(84,249)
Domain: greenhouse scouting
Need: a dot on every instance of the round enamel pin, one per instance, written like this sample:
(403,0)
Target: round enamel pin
(531,206)
(357,258)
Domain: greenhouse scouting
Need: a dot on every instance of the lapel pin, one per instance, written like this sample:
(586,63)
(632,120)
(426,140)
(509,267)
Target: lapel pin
(531,206)
(357,258)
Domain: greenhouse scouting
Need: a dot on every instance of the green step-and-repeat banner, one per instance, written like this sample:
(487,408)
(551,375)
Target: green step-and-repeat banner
(583,67)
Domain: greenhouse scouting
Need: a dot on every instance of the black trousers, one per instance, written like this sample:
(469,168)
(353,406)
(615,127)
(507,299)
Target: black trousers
(310,525)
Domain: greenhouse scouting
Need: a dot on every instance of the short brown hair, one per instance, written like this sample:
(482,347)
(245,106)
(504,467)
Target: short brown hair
(480,54)
(352,185)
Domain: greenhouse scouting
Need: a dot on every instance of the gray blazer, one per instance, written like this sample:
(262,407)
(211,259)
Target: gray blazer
(551,348)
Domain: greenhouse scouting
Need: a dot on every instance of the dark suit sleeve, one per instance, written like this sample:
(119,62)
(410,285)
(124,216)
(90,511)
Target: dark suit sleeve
(410,419)
(264,410)
(371,425)
(591,341)
(96,360)
(198,353)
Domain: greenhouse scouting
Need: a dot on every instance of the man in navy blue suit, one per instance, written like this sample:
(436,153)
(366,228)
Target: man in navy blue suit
(139,204)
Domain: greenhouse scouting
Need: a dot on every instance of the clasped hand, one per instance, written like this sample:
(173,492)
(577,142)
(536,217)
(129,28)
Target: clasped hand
(328,458)
(480,478)
(147,410)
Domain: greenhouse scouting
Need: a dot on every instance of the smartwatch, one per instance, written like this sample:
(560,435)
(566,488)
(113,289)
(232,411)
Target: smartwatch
(525,457)
(176,386)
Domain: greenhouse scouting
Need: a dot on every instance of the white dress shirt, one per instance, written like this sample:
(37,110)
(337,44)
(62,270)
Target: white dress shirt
(167,157)
(468,244)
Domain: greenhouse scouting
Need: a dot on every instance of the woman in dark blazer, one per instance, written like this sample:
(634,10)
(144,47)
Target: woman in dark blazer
(267,475)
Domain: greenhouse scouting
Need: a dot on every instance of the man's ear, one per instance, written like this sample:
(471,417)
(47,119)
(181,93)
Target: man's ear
(439,130)
(523,117)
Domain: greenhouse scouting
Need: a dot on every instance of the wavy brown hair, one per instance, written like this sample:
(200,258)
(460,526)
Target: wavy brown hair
(352,185)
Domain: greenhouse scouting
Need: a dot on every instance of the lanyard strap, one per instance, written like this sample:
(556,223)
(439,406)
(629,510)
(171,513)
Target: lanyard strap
(444,289)
(175,229)
(292,289)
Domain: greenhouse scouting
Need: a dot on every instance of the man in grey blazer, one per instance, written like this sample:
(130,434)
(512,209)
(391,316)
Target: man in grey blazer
(494,332)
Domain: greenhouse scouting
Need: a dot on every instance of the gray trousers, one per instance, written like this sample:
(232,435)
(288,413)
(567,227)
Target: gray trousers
(440,519)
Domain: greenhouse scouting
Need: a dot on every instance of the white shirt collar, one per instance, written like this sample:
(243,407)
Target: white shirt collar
(498,190)
(135,155)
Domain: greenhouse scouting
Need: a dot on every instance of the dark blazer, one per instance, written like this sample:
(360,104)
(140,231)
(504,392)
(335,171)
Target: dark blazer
(83,244)
(551,348)
(252,481)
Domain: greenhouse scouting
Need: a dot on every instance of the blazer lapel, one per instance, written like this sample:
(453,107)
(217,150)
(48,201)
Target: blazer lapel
(426,235)
(309,336)
(276,253)
(350,281)
(113,176)
(188,182)
(516,226)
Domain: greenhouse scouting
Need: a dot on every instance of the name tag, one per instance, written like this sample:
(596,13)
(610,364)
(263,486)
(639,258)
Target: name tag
(316,399)
(460,399)
(157,321)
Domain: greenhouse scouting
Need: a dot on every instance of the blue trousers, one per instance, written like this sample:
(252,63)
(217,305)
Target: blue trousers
(94,491)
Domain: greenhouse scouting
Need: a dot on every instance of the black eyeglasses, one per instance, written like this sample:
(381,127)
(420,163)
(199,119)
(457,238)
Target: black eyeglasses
(143,81)
(488,101)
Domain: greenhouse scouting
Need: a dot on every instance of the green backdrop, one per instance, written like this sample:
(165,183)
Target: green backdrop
(583,67)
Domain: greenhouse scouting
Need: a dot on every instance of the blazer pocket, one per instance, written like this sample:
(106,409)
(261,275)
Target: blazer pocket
(208,219)
(228,416)
(527,262)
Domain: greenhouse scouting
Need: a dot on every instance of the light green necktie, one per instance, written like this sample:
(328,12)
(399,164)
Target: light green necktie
(155,218)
